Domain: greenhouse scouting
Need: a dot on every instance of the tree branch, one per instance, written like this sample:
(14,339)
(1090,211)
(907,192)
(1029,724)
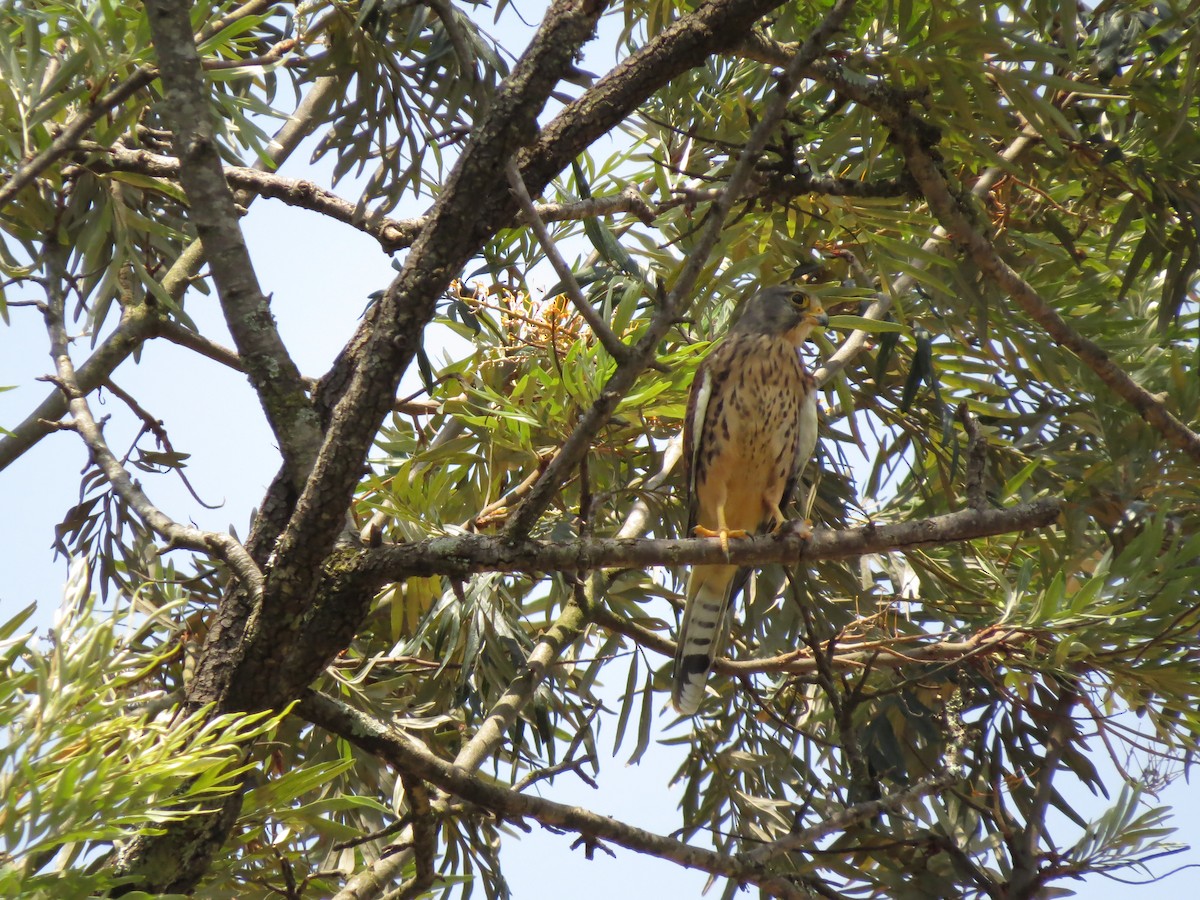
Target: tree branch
(759,47)
(406,755)
(396,234)
(911,135)
(247,312)
(854,656)
(613,344)
(137,323)
(70,136)
(73,133)
(927,175)
(390,338)
(807,838)
(220,545)
(463,555)
(483,743)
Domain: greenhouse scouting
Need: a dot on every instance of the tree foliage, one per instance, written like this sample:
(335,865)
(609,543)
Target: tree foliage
(999,205)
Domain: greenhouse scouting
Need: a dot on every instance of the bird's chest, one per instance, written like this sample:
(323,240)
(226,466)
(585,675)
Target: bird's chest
(757,417)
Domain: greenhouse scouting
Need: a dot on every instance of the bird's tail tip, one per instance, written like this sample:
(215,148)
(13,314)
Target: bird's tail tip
(691,674)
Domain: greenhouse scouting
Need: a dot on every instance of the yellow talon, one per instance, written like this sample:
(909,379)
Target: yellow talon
(723,533)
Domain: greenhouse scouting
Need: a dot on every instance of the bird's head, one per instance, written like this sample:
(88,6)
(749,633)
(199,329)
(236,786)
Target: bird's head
(783,310)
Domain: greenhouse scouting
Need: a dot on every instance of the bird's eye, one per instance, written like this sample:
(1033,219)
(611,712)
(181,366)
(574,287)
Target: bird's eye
(800,299)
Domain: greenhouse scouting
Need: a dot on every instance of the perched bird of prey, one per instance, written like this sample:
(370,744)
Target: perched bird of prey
(751,426)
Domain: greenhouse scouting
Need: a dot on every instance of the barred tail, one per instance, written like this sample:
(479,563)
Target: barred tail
(702,634)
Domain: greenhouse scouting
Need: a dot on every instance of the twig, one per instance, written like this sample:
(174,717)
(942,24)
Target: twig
(155,427)
(616,348)
(859,812)
(74,132)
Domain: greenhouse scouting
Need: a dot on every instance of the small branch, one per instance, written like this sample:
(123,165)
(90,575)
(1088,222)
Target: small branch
(273,55)
(616,348)
(802,841)
(136,322)
(636,522)
(498,509)
(156,428)
(70,136)
(1026,880)
(839,657)
(520,691)
(73,133)
(463,555)
(392,234)
(401,751)
(630,200)
(222,546)
(180,334)
(424,842)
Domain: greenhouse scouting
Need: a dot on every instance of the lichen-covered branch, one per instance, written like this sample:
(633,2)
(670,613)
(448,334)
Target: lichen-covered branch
(466,554)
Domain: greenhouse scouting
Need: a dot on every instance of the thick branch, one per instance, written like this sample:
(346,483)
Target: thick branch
(247,312)
(471,553)
(254,667)
(408,756)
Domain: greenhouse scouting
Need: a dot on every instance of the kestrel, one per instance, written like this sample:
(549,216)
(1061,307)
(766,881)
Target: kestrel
(751,426)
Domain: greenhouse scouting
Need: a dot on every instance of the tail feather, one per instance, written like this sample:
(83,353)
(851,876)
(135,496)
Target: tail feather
(702,633)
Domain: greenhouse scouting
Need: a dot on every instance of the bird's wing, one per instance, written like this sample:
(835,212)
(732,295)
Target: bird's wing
(693,430)
(806,438)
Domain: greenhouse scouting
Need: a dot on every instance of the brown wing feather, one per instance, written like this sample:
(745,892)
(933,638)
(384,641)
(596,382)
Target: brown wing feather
(707,383)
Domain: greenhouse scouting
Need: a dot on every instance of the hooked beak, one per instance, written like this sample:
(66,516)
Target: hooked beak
(818,317)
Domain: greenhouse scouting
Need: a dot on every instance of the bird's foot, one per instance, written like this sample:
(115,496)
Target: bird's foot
(723,533)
